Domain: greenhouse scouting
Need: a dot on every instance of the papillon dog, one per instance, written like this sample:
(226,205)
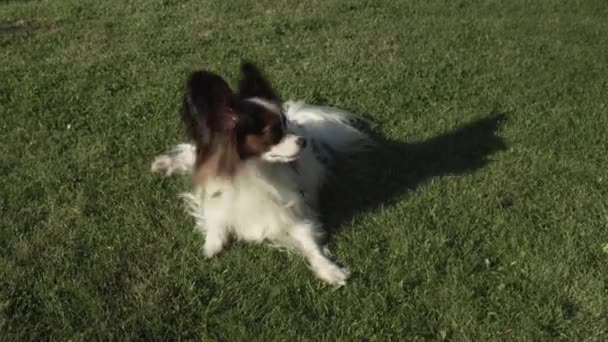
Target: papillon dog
(258,165)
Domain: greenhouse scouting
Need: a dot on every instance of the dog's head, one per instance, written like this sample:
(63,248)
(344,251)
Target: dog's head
(229,128)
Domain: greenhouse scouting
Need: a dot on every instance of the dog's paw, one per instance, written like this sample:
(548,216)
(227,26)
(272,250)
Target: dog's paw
(180,160)
(164,165)
(212,248)
(333,274)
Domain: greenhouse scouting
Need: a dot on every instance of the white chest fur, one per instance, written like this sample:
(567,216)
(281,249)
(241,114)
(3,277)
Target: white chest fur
(260,203)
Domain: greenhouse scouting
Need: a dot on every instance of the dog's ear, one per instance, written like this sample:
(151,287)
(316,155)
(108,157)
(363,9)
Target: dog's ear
(208,105)
(254,84)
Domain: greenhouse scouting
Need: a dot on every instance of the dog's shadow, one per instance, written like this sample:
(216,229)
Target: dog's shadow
(393,168)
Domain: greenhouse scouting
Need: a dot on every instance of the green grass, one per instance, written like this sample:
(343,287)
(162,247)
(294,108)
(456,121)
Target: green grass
(485,216)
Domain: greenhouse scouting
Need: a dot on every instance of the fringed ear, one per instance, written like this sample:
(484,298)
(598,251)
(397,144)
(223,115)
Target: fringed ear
(254,84)
(208,103)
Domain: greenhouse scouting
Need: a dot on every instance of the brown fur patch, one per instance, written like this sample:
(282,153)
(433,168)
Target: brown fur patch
(255,145)
(258,144)
(218,159)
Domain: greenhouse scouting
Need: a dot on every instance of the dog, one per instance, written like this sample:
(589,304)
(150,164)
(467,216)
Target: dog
(258,165)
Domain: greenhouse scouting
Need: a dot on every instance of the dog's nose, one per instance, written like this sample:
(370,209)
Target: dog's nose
(301,142)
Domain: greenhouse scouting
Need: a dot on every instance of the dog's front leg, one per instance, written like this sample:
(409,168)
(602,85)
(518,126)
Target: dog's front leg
(217,237)
(305,238)
(180,160)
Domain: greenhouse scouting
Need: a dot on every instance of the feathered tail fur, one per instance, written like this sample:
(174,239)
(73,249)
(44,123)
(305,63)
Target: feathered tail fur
(331,128)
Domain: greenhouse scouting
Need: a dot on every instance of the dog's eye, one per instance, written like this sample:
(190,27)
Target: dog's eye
(276,133)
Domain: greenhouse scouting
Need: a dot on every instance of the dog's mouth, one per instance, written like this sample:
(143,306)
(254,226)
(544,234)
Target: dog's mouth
(287,150)
(279,158)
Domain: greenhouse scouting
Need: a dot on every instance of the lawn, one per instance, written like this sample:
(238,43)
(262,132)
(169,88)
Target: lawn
(484,216)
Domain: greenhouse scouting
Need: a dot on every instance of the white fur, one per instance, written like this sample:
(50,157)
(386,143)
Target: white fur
(288,149)
(180,160)
(274,201)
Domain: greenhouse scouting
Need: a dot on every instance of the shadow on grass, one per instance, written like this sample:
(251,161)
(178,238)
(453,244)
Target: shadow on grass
(394,168)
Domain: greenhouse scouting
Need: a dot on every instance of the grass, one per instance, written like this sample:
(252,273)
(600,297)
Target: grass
(485,216)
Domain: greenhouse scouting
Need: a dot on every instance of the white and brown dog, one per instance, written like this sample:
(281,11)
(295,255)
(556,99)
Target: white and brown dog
(258,165)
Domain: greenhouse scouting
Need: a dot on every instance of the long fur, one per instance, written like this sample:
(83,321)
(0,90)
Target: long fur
(274,202)
(330,126)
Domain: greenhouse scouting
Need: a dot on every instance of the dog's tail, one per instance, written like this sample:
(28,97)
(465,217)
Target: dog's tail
(331,130)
